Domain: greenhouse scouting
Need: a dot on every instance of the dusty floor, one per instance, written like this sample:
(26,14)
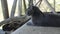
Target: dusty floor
(1,32)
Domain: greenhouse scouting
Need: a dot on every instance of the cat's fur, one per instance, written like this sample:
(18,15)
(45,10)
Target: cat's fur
(43,19)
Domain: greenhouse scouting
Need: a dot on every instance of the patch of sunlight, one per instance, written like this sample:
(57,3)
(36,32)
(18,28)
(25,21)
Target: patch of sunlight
(1,27)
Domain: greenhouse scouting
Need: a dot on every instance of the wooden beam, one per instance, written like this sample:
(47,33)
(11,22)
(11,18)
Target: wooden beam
(5,9)
(24,6)
(19,7)
(13,8)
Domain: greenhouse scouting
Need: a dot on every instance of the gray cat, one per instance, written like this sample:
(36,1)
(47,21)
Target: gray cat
(43,19)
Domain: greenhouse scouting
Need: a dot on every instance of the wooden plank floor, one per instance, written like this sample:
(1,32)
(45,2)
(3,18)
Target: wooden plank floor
(25,29)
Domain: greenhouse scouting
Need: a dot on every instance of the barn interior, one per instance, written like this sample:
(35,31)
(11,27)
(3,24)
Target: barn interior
(29,16)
